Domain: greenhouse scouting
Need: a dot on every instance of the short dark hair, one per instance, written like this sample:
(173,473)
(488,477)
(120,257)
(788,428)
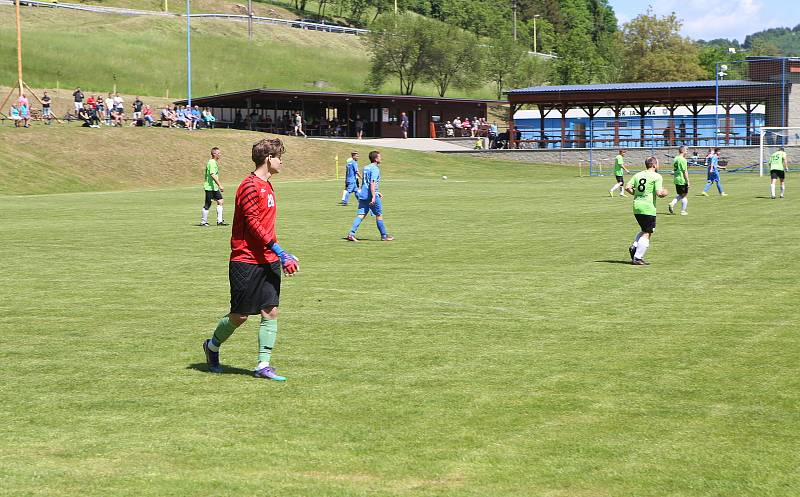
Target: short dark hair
(650,162)
(268,147)
(354,152)
(214,148)
(373,155)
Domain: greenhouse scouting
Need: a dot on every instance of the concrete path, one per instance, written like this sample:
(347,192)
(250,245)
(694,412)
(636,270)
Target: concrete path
(421,144)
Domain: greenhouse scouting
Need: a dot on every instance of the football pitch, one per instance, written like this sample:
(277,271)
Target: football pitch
(501,346)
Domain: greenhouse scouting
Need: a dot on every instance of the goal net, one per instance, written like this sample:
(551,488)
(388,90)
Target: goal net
(775,139)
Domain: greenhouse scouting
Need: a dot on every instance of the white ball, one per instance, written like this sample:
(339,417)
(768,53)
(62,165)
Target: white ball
(444,177)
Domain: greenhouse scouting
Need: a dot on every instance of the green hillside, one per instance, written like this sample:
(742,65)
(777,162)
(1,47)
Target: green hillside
(147,55)
(69,158)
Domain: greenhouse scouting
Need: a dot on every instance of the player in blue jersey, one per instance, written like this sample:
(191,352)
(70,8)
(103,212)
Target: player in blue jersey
(712,163)
(369,198)
(351,178)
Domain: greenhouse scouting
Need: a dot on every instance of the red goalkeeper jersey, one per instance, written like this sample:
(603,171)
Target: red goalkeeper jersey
(254,222)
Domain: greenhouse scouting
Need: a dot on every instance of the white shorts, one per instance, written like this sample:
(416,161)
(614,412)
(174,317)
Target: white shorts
(78,106)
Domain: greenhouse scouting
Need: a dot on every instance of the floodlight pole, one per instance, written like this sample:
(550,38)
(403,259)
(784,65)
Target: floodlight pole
(189,53)
(534,32)
(716,104)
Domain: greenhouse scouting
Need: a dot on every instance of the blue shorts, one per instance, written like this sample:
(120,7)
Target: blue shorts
(713,177)
(350,187)
(364,207)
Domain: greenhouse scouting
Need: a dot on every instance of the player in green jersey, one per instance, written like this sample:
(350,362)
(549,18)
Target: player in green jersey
(619,168)
(645,186)
(778,167)
(681,176)
(213,189)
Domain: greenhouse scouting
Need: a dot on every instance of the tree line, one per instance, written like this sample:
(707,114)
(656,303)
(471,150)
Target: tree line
(590,48)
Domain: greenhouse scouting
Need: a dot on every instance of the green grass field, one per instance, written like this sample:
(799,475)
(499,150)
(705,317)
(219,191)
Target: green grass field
(501,346)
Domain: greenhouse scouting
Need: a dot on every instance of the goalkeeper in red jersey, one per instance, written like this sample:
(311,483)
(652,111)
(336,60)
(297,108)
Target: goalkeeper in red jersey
(256,261)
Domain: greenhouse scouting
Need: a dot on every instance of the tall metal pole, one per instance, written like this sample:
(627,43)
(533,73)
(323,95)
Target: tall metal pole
(395,7)
(250,20)
(534,33)
(189,52)
(514,9)
(716,104)
(19,50)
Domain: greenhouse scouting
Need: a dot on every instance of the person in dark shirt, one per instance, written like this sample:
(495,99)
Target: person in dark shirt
(78,97)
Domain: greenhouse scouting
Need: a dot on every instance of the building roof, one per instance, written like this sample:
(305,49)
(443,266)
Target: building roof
(281,94)
(661,85)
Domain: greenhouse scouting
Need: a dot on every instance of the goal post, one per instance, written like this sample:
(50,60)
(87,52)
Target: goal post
(772,139)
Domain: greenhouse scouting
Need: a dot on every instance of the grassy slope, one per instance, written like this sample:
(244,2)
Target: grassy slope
(68,158)
(146,55)
(517,358)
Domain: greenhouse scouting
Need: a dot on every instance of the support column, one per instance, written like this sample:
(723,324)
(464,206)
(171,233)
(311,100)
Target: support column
(617,107)
(563,109)
(543,111)
(695,108)
(512,132)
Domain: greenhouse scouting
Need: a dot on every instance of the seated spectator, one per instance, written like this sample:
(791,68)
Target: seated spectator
(492,135)
(147,113)
(25,114)
(197,117)
(466,126)
(475,126)
(448,130)
(89,117)
(209,119)
(167,117)
(117,116)
(188,117)
(457,123)
(15,116)
(92,101)
(180,116)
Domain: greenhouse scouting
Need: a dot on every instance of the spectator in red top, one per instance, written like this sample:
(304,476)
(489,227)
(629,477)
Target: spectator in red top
(254,270)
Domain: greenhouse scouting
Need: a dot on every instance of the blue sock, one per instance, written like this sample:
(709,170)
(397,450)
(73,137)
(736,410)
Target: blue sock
(708,187)
(382,228)
(719,186)
(356,223)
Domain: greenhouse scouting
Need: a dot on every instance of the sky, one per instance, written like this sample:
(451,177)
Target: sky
(709,19)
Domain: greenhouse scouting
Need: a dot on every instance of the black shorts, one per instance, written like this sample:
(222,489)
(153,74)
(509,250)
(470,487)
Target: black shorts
(646,222)
(213,195)
(620,179)
(254,286)
(777,174)
(681,189)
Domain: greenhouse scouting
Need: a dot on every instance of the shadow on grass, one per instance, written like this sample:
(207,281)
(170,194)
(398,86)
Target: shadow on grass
(203,367)
(764,196)
(609,261)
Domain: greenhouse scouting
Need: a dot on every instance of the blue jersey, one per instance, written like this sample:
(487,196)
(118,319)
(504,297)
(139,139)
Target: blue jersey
(352,171)
(712,163)
(371,173)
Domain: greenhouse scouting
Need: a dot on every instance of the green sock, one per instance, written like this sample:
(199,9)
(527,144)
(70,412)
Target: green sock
(267,332)
(225,329)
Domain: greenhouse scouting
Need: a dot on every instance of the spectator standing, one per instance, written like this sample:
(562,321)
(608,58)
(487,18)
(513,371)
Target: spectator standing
(404,124)
(119,105)
(77,96)
(359,123)
(110,109)
(138,105)
(298,124)
(47,112)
